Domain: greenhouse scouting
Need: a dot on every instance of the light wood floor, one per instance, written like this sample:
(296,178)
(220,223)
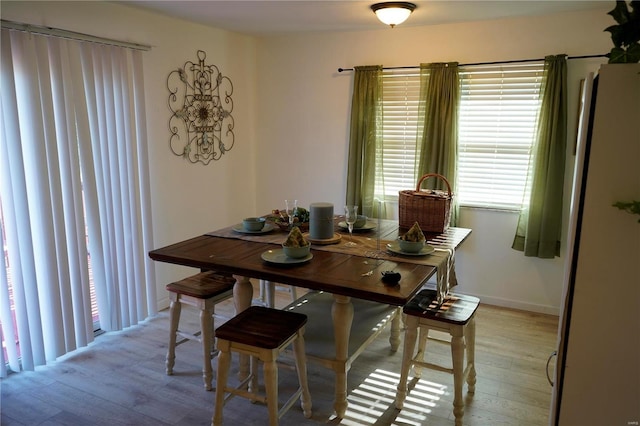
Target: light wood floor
(119,379)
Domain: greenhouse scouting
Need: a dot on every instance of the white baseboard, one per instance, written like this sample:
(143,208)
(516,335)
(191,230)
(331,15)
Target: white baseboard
(513,304)
(163,303)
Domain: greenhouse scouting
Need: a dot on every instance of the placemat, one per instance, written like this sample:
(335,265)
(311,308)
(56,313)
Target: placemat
(367,246)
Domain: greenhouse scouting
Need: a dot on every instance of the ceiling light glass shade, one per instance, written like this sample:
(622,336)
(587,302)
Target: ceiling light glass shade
(393,13)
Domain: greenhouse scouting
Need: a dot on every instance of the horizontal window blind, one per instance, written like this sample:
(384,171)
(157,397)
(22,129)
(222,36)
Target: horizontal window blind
(498,113)
(401,93)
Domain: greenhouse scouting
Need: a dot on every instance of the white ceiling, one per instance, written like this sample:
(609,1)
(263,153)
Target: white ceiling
(264,17)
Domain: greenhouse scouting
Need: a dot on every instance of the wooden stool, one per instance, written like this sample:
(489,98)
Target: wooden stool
(456,317)
(263,333)
(204,291)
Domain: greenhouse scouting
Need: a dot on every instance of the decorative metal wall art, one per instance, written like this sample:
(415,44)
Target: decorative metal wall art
(201,124)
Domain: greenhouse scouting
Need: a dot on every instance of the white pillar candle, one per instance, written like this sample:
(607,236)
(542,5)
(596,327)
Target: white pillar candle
(321,221)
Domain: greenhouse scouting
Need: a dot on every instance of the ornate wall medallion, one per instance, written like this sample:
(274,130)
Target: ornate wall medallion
(201,124)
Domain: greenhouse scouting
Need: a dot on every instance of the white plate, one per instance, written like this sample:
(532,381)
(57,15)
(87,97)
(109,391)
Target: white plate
(366,227)
(268,227)
(278,256)
(395,248)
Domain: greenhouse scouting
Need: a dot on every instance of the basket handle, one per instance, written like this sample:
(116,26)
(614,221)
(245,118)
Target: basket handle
(428,175)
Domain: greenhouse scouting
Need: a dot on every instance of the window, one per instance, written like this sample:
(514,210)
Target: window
(497,120)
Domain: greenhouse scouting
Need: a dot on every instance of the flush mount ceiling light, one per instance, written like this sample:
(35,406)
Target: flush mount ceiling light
(393,12)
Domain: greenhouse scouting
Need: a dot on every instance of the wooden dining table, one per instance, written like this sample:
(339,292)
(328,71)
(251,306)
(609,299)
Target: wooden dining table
(351,277)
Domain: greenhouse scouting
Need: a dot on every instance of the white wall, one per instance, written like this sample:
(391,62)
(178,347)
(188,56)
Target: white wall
(291,111)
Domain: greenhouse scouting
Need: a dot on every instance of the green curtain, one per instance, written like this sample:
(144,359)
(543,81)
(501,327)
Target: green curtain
(540,221)
(437,137)
(365,137)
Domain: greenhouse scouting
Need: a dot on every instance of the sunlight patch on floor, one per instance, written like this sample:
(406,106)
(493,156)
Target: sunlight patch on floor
(375,398)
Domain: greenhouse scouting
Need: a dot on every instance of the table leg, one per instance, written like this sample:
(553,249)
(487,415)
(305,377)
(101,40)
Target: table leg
(342,315)
(242,296)
(242,293)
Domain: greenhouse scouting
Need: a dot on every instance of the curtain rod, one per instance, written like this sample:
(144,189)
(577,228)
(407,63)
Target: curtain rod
(485,63)
(37,29)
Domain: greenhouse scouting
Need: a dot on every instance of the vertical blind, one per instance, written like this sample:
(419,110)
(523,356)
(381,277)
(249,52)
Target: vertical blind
(74,195)
(498,113)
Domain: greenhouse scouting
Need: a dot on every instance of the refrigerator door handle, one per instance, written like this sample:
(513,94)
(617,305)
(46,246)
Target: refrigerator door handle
(554,353)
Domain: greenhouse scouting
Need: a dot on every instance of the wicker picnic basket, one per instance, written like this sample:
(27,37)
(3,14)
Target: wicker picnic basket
(430,208)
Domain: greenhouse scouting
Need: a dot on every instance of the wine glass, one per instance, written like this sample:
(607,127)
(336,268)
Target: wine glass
(350,216)
(292,207)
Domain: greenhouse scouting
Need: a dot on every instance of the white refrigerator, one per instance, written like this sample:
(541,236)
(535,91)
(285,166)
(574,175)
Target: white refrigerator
(597,374)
